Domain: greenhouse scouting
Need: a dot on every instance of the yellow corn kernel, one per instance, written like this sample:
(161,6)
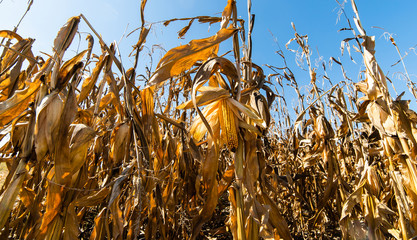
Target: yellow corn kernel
(227,122)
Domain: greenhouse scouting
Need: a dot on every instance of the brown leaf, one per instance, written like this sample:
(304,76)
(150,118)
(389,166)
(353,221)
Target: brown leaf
(99,228)
(375,78)
(54,229)
(403,125)
(7,199)
(89,83)
(276,219)
(142,11)
(142,38)
(259,103)
(19,102)
(66,35)
(92,199)
(183,57)
(62,161)
(208,95)
(71,229)
(209,173)
(18,134)
(227,13)
(16,77)
(10,35)
(69,68)
(117,219)
(210,67)
(121,141)
(53,207)
(81,140)
(380,117)
(27,196)
(353,199)
(48,114)
(323,128)
(148,105)
(227,179)
(13,53)
(185,29)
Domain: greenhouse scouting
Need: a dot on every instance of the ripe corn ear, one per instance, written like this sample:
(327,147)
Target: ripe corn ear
(228,125)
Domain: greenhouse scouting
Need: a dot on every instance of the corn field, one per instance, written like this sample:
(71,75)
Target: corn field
(207,149)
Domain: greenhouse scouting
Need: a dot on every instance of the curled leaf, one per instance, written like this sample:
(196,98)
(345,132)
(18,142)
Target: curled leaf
(182,58)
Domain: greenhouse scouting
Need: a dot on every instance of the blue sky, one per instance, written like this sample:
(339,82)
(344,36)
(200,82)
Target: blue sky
(115,19)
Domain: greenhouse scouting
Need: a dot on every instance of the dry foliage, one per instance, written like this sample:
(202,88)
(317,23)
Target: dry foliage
(196,153)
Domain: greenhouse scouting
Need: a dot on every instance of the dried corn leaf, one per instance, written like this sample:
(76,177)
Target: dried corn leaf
(380,118)
(276,219)
(66,35)
(353,199)
(10,35)
(27,196)
(182,58)
(62,160)
(71,229)
(375,78)
(121,139)
(259,103)
(227,13)
(19,102)
(209,173)
(81,140)
(248,111)
(117,219)
(92,199)
(148,106)
(89,83)
(211,112)
(7,199)
(69,68)
(17,50)
(99,231)
(207,96)
(185,29)
(48,114)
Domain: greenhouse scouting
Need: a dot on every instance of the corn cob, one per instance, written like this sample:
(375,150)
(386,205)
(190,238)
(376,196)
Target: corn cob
(228,125)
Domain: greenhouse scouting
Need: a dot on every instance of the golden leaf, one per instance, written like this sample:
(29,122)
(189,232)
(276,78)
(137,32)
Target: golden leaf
(227,13)
(61,153)
(48,114)
(207,96)
(89,83)
(19,102)
(380,117)
(121,138)
(66,35)
(81,139)
(99,231)
(93,198)
(69,68)
(183,57)
(7,199)
(10,35)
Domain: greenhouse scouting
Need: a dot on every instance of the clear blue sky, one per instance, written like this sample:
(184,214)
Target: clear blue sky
(114,19)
